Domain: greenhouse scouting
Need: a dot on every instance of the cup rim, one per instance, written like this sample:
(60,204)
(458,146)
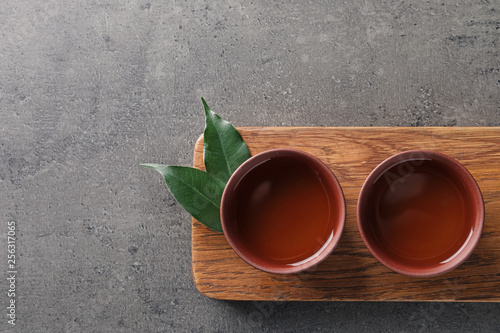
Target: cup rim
(317,165)
(472,188)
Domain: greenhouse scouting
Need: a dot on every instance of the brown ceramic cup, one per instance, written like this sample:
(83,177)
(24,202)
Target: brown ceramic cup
(283,211)
(420,213)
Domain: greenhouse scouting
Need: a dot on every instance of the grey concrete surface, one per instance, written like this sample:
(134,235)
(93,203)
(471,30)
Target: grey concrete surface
(89,89)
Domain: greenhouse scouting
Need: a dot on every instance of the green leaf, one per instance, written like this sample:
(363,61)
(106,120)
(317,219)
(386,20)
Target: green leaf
(223,147)
(198,192)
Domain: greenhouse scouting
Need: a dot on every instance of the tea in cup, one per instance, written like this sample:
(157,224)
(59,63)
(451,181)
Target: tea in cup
(420,213)
(283,211)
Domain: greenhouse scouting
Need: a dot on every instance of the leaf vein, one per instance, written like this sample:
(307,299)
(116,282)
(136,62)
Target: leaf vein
(197,191)
(223,150)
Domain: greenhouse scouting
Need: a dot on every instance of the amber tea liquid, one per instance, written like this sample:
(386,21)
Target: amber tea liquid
(422,216)
(284,214)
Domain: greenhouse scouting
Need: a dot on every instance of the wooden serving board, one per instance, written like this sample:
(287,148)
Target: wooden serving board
(351,273)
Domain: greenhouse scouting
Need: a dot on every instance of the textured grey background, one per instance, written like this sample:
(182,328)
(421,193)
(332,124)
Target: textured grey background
(89,89)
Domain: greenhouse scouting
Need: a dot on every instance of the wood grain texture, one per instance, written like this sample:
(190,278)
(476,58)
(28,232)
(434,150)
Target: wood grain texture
(351,273)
